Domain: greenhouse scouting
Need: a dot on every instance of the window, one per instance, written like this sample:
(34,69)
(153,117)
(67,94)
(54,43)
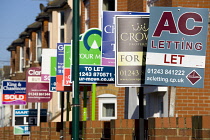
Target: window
(108,110)
(38,46)
(30,53)
(22,64)
(61,27)
(107,107)
(108,5)
(87,14)
(157,104)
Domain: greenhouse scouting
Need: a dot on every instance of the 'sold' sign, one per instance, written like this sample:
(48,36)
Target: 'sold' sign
(176,46)
(14,92)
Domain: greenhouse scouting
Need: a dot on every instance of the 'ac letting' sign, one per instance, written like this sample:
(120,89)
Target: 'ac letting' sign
(176,46)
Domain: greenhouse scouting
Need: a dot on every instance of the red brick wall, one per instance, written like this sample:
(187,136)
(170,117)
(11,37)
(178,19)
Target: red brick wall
(170,128)
(173,128)
(45,35)
(122,129)
(94,14)
(191,3)
(194,101)
(17,59)
(27,57)
(163,3)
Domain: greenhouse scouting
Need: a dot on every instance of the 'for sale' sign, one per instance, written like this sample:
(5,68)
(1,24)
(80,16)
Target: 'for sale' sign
(176,46)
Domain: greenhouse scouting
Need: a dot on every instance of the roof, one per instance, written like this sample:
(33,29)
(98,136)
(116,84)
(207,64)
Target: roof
(24,34)
(55,4)
(34,26)
(18,41)
(11,48)
(15,43)
(42,15)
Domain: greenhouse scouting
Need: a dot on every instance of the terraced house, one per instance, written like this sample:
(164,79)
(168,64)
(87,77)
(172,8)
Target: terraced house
(163,106)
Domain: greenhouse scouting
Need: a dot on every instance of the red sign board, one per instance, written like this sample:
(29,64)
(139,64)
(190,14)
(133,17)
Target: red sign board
(36,89)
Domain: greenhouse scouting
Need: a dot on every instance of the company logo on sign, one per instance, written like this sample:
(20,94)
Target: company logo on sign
(167,23)
(90,47)
(60,47)
(193,77)
(34,72)
(92,40)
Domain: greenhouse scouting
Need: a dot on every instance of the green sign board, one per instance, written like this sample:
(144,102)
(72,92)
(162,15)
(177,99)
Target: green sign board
(90,47)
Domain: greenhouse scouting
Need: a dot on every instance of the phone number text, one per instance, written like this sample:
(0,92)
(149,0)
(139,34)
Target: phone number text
(166,71)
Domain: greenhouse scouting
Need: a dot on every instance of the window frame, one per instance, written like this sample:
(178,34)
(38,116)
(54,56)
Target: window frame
(100,12)
(21,59)
(106,99)
(87,14)
(61,26)
(38,45)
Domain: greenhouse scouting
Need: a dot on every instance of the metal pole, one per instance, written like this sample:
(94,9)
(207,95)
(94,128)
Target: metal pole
(93,102)
(62,107)
(141,113)
(75,68)
(38,113)
(67,105)
(85,104)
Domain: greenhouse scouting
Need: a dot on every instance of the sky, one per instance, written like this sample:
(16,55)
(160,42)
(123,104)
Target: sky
(15,16)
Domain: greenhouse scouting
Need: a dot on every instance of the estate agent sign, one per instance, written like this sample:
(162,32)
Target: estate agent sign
(131,44)
(176,46)
(24,118)
(36,89)
(13,92)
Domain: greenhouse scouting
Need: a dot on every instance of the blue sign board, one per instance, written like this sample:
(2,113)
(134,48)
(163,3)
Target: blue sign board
(52,83)
(30,112)
(14,87)
(60,58)
(60,66)
(14,92)
(176,46)
(96,74)
(108,35)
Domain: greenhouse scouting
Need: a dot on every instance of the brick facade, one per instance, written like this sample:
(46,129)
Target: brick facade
(189,101)
(194,101)
(173,128)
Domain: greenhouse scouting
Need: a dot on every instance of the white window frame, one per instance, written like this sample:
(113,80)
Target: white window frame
(104,99)
(22,64)
(100,12)
(60,27)
(30,54)
(87,14)
(38,45)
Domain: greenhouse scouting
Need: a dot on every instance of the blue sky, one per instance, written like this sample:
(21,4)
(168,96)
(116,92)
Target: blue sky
(15,16)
